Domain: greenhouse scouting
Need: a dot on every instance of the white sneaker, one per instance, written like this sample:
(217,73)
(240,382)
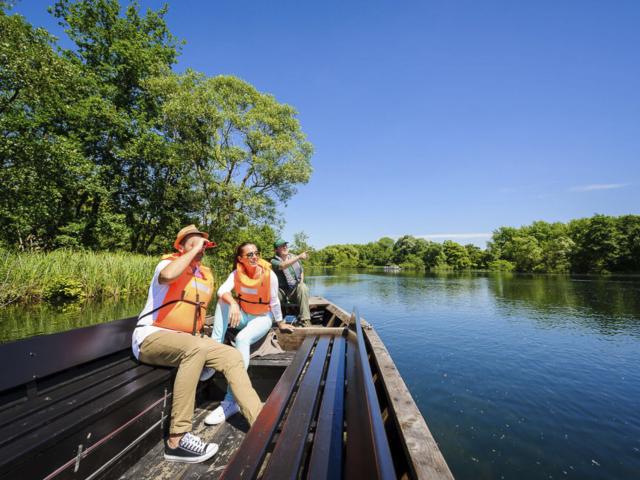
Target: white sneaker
(206,374)
(225,410)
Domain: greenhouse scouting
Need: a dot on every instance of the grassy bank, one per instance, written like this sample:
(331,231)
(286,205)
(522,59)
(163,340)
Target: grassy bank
(69,275)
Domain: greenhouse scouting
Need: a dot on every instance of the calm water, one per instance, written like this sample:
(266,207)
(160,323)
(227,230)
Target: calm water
(519,377)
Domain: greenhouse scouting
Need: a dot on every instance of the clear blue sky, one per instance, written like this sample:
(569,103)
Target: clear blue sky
(436,118)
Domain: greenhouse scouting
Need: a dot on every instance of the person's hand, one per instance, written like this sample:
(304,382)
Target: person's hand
(234,315)
(199,243)
(285,327)
(303,255)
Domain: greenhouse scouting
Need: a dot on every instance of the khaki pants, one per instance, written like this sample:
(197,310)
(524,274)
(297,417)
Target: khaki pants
(299,295)
(190,354)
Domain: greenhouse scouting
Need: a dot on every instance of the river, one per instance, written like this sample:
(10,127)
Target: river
(518,376)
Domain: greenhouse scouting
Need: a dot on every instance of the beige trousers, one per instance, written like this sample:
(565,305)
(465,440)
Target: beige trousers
(190,354)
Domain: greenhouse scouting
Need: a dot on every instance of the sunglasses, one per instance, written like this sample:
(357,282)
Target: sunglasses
(252,254)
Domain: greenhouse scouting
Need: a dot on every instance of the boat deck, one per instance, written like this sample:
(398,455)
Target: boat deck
(228,435)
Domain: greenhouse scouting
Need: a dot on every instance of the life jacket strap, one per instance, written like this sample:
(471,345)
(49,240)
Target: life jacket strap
(196,304)
(259,302)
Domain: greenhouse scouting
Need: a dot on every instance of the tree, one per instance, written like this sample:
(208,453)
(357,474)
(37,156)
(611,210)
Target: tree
(301,243)
(597,244)
(456,255)
(629,244)
(103,147)
(476,256)
(340,256)
(408,252)
(142,182)
(46,179)
(434,257)
(245,151)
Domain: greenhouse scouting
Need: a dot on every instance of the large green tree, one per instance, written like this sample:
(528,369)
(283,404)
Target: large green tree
(244,152)
(104,147)
(46,179)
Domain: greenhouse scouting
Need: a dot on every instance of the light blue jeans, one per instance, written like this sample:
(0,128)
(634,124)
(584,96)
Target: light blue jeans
(252,328)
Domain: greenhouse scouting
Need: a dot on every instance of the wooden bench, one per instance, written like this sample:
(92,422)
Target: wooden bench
(73,403)
(322,419)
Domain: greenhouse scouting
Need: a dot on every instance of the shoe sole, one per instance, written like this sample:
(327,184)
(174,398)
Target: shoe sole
(201,458)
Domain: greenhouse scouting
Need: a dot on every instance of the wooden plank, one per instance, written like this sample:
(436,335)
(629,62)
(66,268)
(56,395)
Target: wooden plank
(342,315)
(287,454)
(39,356)
(248,459)
(420,446)
(367,450)
(51,433)
(292,340)
(318,302)
(61,408)
(326,455)
(273,360)
(66,390)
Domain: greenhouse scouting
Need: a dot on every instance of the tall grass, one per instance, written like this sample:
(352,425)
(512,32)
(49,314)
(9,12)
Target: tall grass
(30,277)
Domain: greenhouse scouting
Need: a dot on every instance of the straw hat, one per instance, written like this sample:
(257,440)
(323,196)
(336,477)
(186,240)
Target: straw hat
(187,231)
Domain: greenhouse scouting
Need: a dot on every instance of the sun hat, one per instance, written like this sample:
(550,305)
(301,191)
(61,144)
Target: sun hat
(188,230)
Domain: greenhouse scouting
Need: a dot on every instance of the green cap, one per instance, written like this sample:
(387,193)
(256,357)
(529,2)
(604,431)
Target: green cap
(279,242)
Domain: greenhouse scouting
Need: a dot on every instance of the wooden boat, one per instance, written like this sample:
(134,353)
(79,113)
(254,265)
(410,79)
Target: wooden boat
(77,405)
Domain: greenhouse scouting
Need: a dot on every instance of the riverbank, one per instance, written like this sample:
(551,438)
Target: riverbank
(63,276)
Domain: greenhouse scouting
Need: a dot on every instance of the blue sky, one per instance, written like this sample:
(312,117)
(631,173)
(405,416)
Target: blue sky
(444,119)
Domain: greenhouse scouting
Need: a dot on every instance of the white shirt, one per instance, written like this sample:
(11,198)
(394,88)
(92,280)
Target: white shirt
(274,303)
(156,295)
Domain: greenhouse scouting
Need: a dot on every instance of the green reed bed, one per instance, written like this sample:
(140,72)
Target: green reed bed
(70,275)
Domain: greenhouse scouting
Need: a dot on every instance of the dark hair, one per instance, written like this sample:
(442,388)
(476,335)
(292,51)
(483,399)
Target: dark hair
(239,249)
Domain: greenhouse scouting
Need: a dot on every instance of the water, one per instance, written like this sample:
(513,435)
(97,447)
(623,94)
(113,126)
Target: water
(523,377)
(517,376)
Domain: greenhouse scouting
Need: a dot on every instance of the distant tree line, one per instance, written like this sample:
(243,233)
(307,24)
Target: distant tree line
(104,147)
(598,244)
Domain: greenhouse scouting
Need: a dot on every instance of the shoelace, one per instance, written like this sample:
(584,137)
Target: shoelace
(193,443)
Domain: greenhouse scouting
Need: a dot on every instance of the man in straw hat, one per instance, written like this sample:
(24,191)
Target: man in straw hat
(169,333)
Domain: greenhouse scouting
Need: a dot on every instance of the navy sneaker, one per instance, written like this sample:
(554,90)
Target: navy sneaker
(190,450)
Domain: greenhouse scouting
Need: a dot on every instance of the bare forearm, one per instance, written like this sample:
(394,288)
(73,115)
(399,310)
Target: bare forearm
(290,261)
(172,271)
(228,298)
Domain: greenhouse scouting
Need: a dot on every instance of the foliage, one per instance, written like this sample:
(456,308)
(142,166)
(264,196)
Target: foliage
(35,276)
(62,290)
(243,151)
(103,147)
(599,244)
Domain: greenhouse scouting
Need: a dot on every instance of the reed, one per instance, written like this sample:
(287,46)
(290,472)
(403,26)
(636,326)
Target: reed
(72,275)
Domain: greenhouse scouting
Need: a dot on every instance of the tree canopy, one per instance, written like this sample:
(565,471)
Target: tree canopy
(103,146)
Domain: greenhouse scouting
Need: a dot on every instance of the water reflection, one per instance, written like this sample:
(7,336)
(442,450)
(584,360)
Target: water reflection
(18,322)
(610,306)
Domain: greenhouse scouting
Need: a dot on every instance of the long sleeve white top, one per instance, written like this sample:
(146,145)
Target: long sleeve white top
(274,303)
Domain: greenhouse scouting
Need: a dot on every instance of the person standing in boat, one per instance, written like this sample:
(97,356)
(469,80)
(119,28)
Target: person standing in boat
(169,333)
(291,279)
(253,313)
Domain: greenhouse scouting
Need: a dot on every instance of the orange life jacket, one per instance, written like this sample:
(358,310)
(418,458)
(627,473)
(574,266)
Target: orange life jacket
(184,307)
(254,294)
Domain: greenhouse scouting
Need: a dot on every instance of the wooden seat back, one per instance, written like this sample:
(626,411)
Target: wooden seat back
(322,420)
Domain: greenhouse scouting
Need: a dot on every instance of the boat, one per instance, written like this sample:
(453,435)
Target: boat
(77,405)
